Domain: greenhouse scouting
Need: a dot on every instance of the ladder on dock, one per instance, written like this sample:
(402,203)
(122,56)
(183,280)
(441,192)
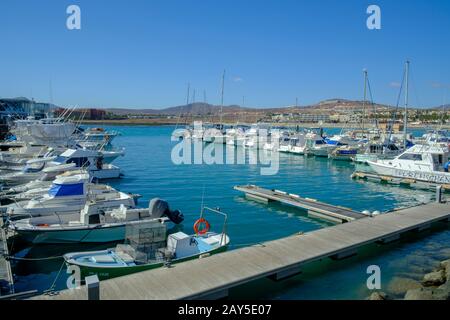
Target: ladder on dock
(313,207)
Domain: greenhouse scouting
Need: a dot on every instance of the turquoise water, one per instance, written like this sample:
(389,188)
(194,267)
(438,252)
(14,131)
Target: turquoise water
(149,171)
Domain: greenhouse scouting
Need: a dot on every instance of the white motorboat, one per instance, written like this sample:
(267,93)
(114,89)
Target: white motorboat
(97,136)
(317,146)
(51,132)
(376,150)
(298,144)
(93,223)
(92,161)
(235,136)
(420,162)
(19,155)
(37,169)
(69,194)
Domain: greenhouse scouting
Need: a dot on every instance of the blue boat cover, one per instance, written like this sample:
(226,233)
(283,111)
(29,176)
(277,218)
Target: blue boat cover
(58,190)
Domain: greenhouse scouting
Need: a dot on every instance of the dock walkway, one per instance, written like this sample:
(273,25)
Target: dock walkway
(6,278)
(213,276)
(312,206)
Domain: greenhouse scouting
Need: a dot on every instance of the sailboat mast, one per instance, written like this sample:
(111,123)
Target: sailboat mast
(221,102)
(405,116)
(365,98)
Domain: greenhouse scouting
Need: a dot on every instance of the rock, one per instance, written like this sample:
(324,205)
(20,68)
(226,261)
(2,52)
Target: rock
(445,288)
(378,295)
(419,294)
(427,294)
(445,265)
(434,278)
(441,294)
(399,286)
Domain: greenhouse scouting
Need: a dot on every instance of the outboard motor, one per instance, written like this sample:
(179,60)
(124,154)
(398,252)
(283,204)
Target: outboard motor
(159,208)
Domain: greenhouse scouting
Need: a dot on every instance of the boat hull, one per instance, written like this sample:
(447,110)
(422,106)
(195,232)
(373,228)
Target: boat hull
(107,273)
(81,235)
(433,177)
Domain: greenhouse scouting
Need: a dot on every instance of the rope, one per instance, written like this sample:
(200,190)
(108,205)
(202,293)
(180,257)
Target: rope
(51,290)
(32,259)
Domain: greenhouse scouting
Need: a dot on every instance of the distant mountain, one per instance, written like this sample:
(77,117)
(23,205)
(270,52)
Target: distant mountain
(199,108)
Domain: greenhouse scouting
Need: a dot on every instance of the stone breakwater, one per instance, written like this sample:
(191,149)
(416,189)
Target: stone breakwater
(434,286)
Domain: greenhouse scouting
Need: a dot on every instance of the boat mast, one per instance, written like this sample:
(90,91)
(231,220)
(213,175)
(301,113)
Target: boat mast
(221,102)
(405,116)
(365,97)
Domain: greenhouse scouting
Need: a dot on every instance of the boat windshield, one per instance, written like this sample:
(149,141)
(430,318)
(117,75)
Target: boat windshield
(411,157)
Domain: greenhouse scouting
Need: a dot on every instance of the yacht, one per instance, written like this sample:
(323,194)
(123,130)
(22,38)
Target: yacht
(420,162)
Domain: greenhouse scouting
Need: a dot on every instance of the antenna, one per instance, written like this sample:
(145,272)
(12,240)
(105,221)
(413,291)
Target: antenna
(51,91)
(405,117)
(365,97)
(188,92)
(203,196)
(221,102)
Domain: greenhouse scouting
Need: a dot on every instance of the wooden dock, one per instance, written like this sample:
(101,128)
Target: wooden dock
(212,277)
(6,277)
(313,207)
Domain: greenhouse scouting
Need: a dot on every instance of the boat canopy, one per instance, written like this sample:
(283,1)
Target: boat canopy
(59,190)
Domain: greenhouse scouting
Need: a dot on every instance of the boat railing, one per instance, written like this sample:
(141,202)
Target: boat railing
(219,212)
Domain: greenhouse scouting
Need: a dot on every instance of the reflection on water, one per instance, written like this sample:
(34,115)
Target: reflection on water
(149,171)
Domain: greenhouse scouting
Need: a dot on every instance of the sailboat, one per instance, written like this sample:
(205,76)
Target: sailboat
(379,145)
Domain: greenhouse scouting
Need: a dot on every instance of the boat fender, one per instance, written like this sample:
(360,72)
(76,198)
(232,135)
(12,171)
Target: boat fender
(201,222)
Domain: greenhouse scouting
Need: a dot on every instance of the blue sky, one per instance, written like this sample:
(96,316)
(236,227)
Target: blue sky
(142,53)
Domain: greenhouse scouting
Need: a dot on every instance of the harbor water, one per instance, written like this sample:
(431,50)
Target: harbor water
(149,171)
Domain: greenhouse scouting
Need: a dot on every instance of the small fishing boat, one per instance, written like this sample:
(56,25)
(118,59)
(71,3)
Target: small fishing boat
(93,224)
(151,253)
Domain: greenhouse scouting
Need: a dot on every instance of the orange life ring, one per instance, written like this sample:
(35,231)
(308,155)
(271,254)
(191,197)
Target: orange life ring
(200,222)
(43,225)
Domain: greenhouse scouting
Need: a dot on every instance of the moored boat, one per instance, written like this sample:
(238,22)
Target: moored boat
(152,252)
